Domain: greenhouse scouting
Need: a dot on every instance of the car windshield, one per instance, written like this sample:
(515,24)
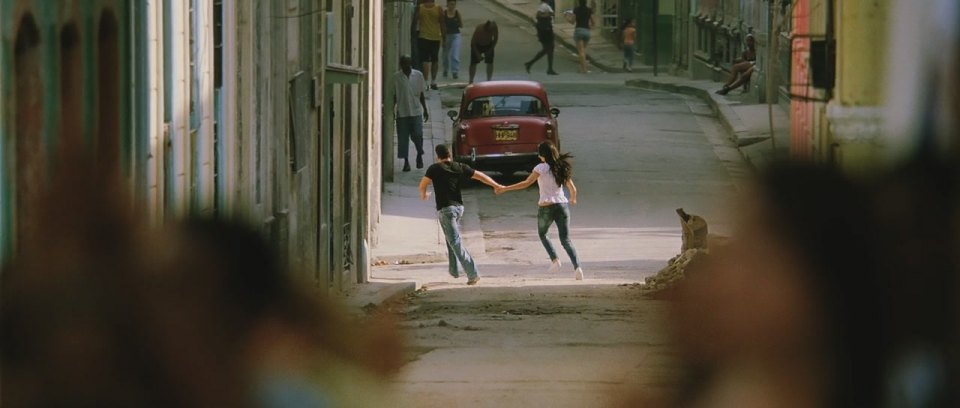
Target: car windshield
(504,105)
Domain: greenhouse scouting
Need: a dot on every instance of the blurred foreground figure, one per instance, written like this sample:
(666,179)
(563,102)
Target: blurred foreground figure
(832,293)
(787,315)
(918,209)
(299,351)
(99,312)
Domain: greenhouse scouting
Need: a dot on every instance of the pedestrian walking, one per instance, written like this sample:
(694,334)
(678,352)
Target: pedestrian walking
(429,16)
(447,177)
(544,26)
(551,175)
(411,106)
(628,34)
(583,19)
(482,45)
(453,22)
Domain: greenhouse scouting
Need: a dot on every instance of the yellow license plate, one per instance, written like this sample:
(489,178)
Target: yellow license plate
(505,135)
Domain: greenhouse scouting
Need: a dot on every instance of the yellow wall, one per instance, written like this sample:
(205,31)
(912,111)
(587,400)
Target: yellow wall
(856,108)
(861,51)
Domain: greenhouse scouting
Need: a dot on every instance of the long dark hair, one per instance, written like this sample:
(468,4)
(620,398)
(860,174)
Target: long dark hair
(559,163)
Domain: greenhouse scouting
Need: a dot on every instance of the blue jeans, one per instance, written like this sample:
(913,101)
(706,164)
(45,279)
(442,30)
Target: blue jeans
(628,52)
(559,213)
(450,222)
(451,54)
(409,127)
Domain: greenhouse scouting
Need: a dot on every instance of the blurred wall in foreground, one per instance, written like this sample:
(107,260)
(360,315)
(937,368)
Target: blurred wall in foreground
(262,111)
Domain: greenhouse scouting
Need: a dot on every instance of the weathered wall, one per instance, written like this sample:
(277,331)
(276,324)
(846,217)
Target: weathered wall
(63,67)
(237,110)
(855,112)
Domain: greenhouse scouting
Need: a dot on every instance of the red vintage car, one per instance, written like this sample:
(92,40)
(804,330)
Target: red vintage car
(500,124)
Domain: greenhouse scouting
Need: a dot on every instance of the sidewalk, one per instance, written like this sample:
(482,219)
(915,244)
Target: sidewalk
(748,124)
(409,232)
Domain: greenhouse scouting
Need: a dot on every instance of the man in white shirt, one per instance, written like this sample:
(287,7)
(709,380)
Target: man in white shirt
(411,110)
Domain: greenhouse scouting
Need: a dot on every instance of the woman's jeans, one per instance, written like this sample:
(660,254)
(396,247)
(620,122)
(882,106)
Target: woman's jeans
(451,54)
(559,213)
(450,223)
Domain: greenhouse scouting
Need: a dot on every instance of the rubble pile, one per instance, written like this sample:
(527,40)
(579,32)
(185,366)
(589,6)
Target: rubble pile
(694,248)
(675,270)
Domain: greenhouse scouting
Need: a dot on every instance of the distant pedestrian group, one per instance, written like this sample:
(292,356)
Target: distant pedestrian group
(442,29)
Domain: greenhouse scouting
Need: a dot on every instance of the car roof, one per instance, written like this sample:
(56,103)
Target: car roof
(504,88)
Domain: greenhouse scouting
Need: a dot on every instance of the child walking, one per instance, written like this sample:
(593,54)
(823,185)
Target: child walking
(629,34)
(551,175)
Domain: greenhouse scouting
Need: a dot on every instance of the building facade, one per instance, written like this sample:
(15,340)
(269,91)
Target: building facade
(254,110)
(63,71)
(855,109)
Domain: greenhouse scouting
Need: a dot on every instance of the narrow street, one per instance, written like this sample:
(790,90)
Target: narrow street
(526,337)
(214,203)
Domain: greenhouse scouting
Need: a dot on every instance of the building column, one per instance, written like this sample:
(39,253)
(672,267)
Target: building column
(855,111)
(177,172)
(155,101)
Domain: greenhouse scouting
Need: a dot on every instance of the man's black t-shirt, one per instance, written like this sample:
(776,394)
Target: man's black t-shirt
(447,177)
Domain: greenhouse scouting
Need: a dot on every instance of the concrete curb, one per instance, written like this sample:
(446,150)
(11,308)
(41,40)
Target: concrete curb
(732,124)
(730,120)
(422,258)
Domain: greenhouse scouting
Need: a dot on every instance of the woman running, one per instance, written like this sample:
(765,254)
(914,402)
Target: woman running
(551,175)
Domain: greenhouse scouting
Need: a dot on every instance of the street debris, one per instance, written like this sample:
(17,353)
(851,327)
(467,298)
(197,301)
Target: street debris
(674,272)
(693,249)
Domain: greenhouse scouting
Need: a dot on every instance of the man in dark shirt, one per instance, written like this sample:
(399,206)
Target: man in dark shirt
(545,35)
(447,177)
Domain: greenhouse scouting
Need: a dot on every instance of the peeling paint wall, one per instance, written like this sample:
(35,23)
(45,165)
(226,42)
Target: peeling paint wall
(207,108)
(64,71)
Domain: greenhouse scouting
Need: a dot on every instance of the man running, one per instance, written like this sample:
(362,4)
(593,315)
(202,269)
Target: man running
(447,177)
